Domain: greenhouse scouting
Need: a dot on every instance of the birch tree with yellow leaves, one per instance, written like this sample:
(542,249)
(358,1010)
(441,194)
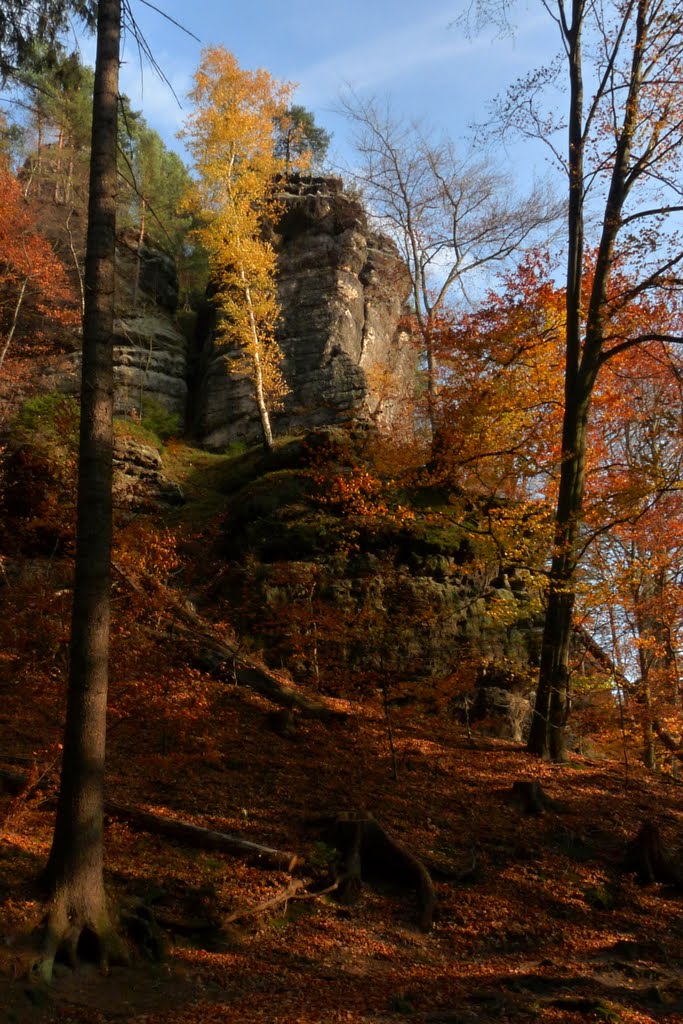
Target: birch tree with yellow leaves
(230,135)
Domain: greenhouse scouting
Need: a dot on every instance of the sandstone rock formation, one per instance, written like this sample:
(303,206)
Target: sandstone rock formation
(360,602)
(149,364)
(139,482)
(150,351)
(342,289)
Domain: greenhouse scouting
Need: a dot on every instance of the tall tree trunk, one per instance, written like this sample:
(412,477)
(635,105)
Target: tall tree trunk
(76,261)
(547,735)
(74,873)
(15,319)
(59,191)
(138,254)
(546,738)
(583,360)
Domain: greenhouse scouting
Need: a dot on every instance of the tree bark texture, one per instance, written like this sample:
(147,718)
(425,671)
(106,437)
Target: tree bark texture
(74,873)
(547,734)
(546,738)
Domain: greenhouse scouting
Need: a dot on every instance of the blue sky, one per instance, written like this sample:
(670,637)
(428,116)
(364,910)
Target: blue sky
(413,54)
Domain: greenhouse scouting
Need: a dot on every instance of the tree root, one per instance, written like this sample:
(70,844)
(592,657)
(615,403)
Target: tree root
(651,859)
(72,935)
(368,852)
(529,798)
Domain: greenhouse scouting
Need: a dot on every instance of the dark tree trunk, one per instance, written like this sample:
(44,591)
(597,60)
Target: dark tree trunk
(546,738)
(585,344)
(651,859)
(74,874)
(547,734)
(368,851)
(530,798)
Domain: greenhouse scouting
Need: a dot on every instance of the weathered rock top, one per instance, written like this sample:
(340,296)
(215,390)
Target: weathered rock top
(342,288)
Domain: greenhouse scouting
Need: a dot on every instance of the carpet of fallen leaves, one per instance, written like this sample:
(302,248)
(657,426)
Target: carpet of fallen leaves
(545,926)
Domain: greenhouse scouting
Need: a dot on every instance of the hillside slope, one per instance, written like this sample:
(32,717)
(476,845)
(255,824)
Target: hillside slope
(538,918)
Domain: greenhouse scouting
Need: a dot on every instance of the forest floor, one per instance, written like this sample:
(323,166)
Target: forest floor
(546,927)
(540,921)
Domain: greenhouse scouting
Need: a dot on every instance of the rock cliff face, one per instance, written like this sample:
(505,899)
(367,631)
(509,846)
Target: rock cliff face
(150,364)
(150,351)
(358,601)
(342,289)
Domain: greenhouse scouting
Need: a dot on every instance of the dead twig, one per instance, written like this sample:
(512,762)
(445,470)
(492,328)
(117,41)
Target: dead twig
(296,890)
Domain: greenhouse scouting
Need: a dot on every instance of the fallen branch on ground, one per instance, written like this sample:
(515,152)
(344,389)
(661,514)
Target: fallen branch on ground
(294,891)
(204,838)
(283,896)
(184,831)
(225,662)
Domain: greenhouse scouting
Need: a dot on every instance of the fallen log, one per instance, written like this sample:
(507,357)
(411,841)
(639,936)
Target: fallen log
(203,838)
(225,662)
(25,785)
(184,831)
(12,782)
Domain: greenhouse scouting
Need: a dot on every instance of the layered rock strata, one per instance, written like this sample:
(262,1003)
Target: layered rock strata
(150,350)
(150,364)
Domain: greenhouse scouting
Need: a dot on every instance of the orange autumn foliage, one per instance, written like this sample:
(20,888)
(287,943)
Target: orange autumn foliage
(501,401)
(499,397)
(501,391)
(35,294)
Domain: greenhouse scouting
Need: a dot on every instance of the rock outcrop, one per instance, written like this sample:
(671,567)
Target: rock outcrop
(342,289)
(150,351)
(360,601)
(150,364)
(139,483)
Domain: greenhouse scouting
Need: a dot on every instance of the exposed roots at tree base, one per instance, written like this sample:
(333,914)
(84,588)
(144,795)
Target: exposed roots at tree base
(72,936)
(651,859)
(530,798)
(367,851)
